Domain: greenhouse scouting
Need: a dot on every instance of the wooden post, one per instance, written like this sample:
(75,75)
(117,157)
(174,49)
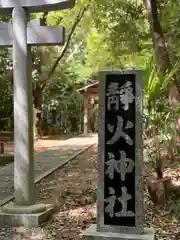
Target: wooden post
(35,121)
(1,147)
(86,113)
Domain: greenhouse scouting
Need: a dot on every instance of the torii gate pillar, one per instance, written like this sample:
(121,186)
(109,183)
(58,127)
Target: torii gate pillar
(23,114)
(21,34)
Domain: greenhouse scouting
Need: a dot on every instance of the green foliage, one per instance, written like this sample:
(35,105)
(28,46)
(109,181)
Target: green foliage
(6,107)
(98,53)
(169,13)
(111,34)
(174,202)
(159,115)
(124,24)
(174,207)
(61,99)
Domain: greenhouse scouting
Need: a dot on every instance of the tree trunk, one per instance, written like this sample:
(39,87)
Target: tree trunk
(74,124)
(159,190)
(160,46)
(37,96)
(37,91)
(163,59)
(36,135)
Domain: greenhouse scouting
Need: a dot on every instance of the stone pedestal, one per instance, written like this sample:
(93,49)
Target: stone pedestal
(92,234)
(12,215)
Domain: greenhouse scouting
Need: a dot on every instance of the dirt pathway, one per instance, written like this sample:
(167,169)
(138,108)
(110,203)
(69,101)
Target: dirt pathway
(41,144)
(73,191)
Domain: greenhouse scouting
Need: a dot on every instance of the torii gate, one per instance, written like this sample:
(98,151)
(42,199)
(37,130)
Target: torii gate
(21,35)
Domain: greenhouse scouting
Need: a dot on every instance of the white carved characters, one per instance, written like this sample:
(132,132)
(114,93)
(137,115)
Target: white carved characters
(126,95)
(125,197)
(119,97)
(119,131)
(109,209)
(116,94)
(111,201)
(123,165)
(113,96)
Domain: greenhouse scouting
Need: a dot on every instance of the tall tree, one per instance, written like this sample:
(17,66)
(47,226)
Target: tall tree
(160,47)
(41,79)
(164,63)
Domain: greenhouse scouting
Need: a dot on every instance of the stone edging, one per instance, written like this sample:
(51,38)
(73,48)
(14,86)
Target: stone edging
(6,159)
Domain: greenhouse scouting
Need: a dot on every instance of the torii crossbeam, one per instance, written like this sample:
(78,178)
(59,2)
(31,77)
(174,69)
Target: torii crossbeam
(22,34)
(36,34)
(36,5)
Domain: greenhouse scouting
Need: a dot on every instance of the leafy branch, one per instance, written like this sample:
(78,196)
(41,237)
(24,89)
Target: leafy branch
(66,45)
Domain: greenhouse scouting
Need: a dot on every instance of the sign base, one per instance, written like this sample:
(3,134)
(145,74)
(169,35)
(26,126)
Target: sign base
(92,234)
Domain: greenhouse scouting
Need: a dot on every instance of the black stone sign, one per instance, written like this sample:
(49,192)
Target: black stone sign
(119,159)
(120,211)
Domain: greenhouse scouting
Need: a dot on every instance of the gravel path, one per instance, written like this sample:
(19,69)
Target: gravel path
(72,190)
(45,161)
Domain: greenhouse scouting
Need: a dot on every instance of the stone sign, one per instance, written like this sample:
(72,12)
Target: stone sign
(120,192)
(22,34)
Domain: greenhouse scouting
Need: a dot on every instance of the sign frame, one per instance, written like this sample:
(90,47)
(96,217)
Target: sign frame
(139,210)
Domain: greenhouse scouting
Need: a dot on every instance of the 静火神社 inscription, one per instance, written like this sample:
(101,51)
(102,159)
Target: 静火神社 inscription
(120,190)
(119,174)
(120,198)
